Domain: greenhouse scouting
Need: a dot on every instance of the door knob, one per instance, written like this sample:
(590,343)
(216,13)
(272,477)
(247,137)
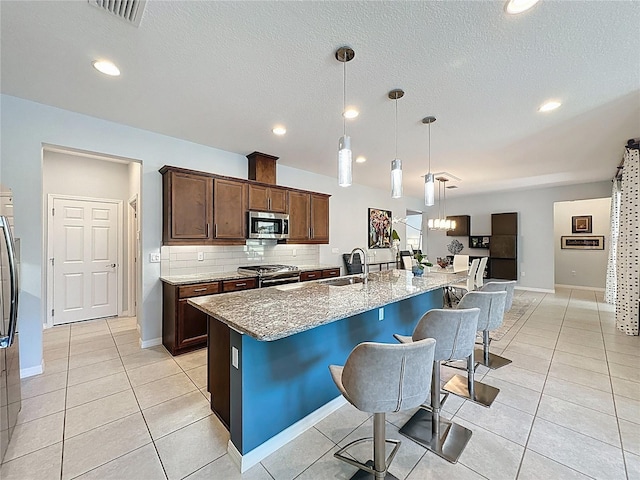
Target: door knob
(112,265)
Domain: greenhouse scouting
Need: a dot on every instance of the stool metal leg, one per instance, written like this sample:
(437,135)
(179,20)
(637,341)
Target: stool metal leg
(444,438)
(489,359)
(376,468)
(468,388)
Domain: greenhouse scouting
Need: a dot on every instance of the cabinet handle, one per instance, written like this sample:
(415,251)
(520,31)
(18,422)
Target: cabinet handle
(200,289)
(241,284)
(310,232)
(311,229)
(215,230)
(207,234)
(311,275)
(269,203)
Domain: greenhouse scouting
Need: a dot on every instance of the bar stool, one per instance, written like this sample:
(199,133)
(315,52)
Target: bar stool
(489,359)
(379,378)
(454,332)
(491,305)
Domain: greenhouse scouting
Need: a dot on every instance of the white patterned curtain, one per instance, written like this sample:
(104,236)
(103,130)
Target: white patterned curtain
(628,255)
(611,287)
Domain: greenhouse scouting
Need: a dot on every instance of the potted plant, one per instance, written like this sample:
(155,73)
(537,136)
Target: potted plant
(420,261)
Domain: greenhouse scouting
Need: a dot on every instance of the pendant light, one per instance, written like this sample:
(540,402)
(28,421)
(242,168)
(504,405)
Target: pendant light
(429,183)
(344,55)
(396,163)
(442,222)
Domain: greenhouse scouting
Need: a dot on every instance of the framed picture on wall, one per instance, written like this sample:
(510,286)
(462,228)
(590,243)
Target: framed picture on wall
(379,228)
(581,224)
(584,242)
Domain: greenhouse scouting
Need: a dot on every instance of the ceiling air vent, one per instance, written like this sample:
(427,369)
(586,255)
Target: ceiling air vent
(129,11)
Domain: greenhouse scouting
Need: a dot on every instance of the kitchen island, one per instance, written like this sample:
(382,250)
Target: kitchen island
(269,349)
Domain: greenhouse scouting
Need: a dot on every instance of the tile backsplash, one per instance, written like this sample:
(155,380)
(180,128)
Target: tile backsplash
(183,260)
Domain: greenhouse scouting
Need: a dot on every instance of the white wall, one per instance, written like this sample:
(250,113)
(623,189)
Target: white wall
(26,126)
(585,268)
(536,238)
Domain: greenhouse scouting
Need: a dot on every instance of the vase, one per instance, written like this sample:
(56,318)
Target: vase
(417,271)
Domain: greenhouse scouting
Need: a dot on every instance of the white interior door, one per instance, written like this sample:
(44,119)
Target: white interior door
(85,256)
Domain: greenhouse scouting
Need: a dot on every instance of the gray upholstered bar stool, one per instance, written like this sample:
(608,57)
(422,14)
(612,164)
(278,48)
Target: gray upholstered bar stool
(379,378)
(483,356)
(491,305)
(455,333)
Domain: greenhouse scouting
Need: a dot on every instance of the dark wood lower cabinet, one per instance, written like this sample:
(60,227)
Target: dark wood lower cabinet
(218,375)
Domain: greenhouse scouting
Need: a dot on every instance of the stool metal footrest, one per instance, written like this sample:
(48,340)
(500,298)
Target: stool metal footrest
(493,361)
(483,394)
(449,445)
(367,469)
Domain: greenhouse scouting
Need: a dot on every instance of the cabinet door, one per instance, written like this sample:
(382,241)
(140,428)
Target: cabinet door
(278,200)
(187,206)
(191,327)
(299,216)
(333,272)
(258,198)
(311,275)
(228,209)
(319,218)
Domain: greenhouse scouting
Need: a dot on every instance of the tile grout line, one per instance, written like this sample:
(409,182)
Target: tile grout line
(613,396)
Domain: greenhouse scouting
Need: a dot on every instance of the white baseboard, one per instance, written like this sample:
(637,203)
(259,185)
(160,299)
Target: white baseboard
(150,343)
(578,287)
(31,371)
(248,460)
(534,289)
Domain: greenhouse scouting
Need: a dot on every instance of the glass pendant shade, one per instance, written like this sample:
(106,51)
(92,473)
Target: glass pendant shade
(344,161)
(396,178)
(430,224)
(429,190)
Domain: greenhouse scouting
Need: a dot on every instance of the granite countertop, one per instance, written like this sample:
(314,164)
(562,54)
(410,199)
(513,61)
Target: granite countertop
(203,277)
(272,313)
(309,268)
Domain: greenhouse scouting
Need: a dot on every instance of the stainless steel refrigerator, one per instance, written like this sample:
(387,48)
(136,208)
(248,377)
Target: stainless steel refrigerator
(9,357)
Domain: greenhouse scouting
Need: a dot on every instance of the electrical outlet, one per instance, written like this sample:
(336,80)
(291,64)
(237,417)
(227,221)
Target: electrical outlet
(154,258)
(573,273)
(522,274)
(381,314)
(234,357)
(335,250)
(200,256)
(293,252)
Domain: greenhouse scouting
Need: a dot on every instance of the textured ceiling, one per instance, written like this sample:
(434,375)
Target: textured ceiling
(224,73)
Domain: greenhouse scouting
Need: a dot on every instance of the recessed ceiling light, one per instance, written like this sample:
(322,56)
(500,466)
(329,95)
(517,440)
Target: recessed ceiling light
(279,130)
(514,7)
(548,106)
(361,159)
(106,67)
(351,113)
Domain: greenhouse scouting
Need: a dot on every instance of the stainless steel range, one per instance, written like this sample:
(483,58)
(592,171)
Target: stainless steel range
(270,275)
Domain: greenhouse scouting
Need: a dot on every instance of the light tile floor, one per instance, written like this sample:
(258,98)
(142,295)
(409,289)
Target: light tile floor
(569,408)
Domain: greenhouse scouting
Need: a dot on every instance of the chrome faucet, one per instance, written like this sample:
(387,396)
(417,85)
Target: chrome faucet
(365,263)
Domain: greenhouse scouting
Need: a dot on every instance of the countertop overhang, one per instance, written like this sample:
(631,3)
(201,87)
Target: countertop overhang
(272,313)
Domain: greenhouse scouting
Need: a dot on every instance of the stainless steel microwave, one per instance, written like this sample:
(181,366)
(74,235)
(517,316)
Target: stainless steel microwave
(268,225)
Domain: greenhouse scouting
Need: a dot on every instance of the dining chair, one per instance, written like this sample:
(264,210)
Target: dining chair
(460,262)
(479,275)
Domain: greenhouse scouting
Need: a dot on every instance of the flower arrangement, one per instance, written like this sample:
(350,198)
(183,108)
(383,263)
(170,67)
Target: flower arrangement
(455,247)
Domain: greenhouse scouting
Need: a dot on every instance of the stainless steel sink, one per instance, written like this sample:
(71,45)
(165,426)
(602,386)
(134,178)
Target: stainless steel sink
(341,281)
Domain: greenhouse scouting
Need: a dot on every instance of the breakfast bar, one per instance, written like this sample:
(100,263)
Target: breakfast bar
(269,349)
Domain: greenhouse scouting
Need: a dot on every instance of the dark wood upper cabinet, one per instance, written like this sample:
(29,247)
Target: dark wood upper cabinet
(267,199)
(319,218)
(229,209)
(504,224)
(203,208)
(299,217)
(463,226)
(187,208)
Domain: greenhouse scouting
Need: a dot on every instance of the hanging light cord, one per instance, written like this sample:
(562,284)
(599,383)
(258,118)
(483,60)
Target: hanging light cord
(344,95)
(429,147)
(396,125)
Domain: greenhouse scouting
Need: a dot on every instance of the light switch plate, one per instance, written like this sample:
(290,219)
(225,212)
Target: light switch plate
(381,314)
(335,250)
(154,258)
(200,256)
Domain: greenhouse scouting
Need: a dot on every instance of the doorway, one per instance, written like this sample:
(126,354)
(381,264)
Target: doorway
(75,175)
